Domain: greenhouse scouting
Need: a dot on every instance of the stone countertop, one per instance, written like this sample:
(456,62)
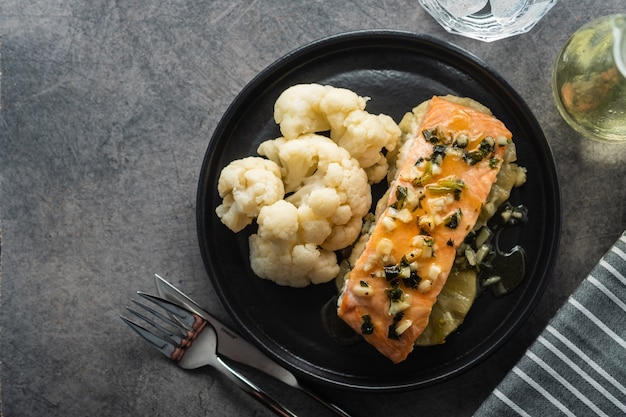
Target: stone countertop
(106,111)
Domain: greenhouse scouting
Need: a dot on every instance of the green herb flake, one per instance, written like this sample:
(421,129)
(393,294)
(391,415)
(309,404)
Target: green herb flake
(413,281)
(485,148)
(394,293)
(439,151)
(391,271)
(454,186)
(367,327)
(401,194)
(392,334)
(453,220)
(428,173)
(473,157)
(430,136)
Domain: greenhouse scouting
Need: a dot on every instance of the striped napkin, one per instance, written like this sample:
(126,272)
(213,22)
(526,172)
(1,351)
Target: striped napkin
(577,366)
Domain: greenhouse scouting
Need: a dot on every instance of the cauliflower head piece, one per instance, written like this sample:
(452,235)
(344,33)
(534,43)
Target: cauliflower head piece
(247,185)
(337,104)
(291,264)
(297,110)
(313,108)
(365,135)
(277,252)
(328,188)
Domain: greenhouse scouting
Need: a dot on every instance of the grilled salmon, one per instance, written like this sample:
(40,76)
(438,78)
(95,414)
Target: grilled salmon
(446,170)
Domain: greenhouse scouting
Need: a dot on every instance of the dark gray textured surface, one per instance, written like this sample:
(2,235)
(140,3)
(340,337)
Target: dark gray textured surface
(107,107)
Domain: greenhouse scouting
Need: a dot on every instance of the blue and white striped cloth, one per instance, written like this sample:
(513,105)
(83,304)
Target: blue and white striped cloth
(577,366)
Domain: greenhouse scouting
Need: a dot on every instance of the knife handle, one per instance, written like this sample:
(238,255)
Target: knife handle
(252,389)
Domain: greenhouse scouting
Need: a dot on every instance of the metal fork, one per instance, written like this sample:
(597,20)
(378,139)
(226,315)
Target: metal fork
(191,342)
(234,347)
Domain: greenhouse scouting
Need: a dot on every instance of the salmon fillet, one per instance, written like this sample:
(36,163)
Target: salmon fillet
(446,172)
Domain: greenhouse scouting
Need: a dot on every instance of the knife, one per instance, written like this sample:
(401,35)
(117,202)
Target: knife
(234,347)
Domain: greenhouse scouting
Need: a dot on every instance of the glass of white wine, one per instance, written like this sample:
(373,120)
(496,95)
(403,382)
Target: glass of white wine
(589,79)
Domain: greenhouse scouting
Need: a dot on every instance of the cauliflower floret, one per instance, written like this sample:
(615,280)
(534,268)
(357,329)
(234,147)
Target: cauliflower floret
(343,233)
(332,195)
(313,229)
(297,110)
(365,137)
(379,170)
(336,105)
(300,164)
(291,264)
(312,108)
(324,202)
(246,185)
(278,221)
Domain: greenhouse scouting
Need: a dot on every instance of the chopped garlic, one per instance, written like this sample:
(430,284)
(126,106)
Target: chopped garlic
(370,263)
(437,204)
(462,140)
(434,272)
(414,254)
(384,247)
(362,291)
(389,223)
(403,326)
(427,222)
(418,240)
(423,247)
(404,215)
(396,307)
(413,197)
(424,285)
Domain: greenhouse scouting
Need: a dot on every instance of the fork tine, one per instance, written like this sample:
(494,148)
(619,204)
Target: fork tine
(171,333)
(159,315)
(187,319)
(177,339)
(165,347)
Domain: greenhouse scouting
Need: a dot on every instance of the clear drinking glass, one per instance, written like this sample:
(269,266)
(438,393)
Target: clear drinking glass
(589,79)
(487,20)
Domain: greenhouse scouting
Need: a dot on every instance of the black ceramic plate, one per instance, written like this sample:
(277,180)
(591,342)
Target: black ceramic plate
(398,71)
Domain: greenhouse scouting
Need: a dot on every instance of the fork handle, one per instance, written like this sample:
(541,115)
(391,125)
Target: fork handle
(252,389)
